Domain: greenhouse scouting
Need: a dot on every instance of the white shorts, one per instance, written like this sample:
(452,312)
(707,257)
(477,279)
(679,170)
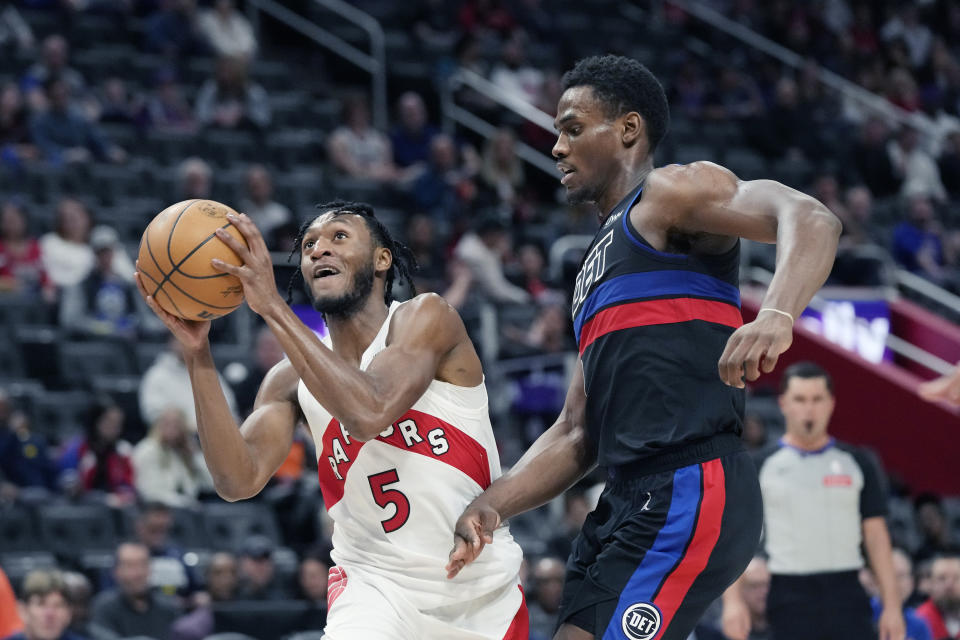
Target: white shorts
(360,609)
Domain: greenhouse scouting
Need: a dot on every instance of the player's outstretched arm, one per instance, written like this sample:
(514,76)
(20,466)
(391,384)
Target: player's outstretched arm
(946,388)
(876,540)
(561,455)
(707,198)
(240,460)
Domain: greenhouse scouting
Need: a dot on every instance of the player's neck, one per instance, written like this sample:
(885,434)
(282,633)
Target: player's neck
(352,335)
(807,444)
(621,184)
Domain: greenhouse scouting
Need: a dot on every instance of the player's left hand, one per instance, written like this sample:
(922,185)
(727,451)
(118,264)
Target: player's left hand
(256,272)
(891,625)
(755,347)
(946,387)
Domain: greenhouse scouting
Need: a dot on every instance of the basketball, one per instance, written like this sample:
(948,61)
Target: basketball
(174,260)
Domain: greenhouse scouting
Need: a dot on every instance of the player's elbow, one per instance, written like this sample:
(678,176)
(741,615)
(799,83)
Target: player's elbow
(233,490)
(366,425)
(825,222)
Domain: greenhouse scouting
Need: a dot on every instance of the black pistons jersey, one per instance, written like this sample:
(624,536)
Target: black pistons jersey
(650,328)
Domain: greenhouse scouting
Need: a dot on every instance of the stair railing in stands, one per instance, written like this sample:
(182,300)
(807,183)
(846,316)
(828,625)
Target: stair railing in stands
(454,113)
(872,102)
(373,63)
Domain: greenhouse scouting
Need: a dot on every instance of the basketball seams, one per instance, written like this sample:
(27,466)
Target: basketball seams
(175,267)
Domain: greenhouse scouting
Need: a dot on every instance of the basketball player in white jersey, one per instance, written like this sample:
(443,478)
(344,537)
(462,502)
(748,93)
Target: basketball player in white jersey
(396,403)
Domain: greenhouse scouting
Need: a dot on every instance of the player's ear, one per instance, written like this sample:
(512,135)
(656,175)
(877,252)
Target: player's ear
(632,128)
(382,259)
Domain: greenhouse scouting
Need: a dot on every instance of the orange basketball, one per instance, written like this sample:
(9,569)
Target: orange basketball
(175,254)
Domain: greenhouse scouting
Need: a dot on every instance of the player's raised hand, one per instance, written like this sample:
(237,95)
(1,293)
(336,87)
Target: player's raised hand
(755,347)
(192,334)
(256,272)
(473,530)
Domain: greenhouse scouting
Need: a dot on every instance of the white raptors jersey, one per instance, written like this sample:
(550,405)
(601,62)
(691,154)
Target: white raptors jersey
(395,499)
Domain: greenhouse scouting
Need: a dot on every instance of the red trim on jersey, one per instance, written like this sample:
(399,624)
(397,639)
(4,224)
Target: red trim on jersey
(704,539)
(520,627)
(336,584)
(461,451)
(649,312)
(837,480)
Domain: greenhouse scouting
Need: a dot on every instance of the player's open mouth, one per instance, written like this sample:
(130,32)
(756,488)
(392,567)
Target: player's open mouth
(566,171)
(324,272)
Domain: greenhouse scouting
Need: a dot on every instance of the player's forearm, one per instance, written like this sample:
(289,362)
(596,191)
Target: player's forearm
(560,456)
(807,237)
(343,389)
(880,555)
(229,459)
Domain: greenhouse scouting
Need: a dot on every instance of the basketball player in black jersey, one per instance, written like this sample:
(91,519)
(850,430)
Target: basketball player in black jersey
(656,311)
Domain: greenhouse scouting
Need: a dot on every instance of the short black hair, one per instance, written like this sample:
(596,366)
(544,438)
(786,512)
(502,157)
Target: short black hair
(624,85)
(805,370)
(928,497)
(404,263)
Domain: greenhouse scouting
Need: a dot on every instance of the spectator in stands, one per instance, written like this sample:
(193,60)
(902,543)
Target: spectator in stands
(919,171)
(547,577)
(15,36)
(25,461)
(100,458)
(482,17)
(784,131)
(54,63)
(266,353)
(173,30)
(195,179)
(426,244)
(735,97)
(532,272)
(16,146)
(548,333)
(167,109)
(105,303)
(949,164)
(133,608)
(934,528)
(942,611)
(819,494)
(21,264)
(918,240)
(411,137)
(435,23)
(312,578)
(469,56)
(258,580)
(117,104)
(873,162)
(754,432)
(268,214)
(576,507)
(755,587)
(166,384)
(227,31)
(446,188)
(79,595)
(64,136)
(917,628)
(502,170)
(356,148)
(231,100)
(513,75)
(168,465)
(483,252)
(44,607)
(906,25)
(222,581)
(169,574)
(10,622)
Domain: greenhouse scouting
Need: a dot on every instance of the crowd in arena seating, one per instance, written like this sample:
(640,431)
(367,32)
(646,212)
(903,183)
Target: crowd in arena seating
(109,111)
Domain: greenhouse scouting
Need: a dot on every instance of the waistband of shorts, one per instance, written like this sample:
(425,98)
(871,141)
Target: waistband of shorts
(682,455)
(851,576)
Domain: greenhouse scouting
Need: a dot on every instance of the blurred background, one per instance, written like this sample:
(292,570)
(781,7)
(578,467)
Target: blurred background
(440,114)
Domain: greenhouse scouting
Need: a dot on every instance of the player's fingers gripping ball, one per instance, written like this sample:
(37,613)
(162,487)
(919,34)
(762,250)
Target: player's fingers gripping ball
(174,260)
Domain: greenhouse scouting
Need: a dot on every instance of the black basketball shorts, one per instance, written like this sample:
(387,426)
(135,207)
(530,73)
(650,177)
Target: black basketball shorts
(659,548)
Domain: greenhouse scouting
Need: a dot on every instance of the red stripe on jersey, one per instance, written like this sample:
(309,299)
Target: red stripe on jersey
(705,537)
(416,432)
(649,312)
(336,584)
(520,627)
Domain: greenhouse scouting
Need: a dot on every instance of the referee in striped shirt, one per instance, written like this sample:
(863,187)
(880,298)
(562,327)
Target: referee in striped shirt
(822,499)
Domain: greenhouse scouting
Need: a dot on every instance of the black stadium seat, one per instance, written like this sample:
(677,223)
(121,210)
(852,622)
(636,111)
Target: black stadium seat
(18,530)
(71,530)
(229,524)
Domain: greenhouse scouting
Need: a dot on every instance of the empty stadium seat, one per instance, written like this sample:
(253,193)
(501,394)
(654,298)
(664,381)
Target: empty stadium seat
(18,564)
(18,530)
(59,414)
(82,362)
(72,530)
(228,524)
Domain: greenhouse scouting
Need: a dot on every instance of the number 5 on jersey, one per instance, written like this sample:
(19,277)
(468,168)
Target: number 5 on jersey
(384,497)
